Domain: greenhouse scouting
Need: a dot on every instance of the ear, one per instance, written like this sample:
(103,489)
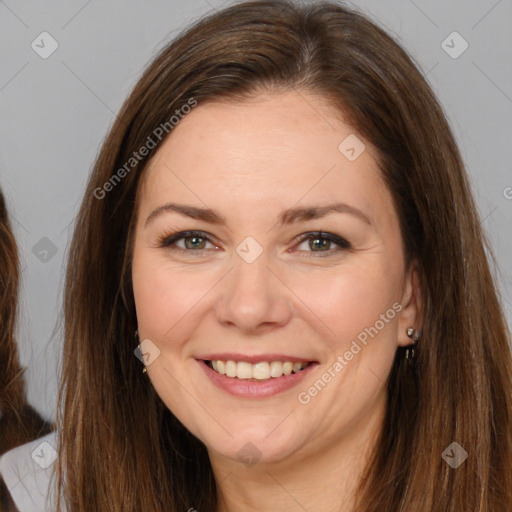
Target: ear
(411,314)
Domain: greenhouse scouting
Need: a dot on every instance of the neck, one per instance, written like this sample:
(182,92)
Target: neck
(322,476)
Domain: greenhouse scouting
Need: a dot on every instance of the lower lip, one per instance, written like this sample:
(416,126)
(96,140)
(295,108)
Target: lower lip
(246,388)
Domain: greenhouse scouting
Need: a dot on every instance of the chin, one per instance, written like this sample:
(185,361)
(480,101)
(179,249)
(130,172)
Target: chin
(249,451)
(256,442)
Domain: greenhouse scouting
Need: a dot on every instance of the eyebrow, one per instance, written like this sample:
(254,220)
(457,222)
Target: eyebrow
(289,216)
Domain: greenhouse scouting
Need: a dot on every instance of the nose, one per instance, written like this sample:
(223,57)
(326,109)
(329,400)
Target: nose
(254,299)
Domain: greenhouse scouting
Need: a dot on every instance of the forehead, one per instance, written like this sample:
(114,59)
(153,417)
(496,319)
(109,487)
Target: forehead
(276,147)
(266,132)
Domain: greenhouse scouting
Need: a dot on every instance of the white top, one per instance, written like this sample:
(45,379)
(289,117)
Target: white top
(29,474)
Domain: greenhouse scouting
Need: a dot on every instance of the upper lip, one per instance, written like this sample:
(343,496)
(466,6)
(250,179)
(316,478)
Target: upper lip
(257,358)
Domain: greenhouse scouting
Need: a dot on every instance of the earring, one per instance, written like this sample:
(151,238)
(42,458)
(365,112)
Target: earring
(144,370)
(410,353)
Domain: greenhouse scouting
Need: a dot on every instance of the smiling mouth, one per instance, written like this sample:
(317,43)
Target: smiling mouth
(264,370)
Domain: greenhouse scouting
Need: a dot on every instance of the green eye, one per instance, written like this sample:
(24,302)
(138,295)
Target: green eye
(194,241)
(321,243)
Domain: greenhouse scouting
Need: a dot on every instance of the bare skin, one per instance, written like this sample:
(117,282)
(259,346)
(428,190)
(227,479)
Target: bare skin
(249,162)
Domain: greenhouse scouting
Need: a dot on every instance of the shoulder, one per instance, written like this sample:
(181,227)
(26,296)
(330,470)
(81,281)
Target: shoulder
(28,474)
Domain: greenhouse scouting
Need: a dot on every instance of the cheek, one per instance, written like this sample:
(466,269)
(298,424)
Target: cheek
(345,303)
(164,294)
(357,309)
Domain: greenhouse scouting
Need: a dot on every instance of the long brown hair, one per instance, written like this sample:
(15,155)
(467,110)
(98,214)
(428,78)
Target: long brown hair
(121,448)
(12,397)
(19,423)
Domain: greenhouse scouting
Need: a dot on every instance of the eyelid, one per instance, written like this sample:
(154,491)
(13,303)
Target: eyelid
(167,241)
(342,243)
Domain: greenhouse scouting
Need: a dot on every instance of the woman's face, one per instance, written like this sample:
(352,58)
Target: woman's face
(255,287)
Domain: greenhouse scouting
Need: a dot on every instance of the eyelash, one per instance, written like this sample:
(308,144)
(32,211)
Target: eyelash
(168,242)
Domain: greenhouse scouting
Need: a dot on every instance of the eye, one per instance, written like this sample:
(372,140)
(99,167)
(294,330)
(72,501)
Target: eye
(320,242)
(317,243)
(186,241)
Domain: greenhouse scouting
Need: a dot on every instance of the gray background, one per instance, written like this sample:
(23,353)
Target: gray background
(56,111)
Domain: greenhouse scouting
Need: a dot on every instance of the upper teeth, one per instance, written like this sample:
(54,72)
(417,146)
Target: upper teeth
(261,371)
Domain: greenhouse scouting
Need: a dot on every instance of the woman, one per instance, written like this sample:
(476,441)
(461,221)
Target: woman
(19,422)
(375,376)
